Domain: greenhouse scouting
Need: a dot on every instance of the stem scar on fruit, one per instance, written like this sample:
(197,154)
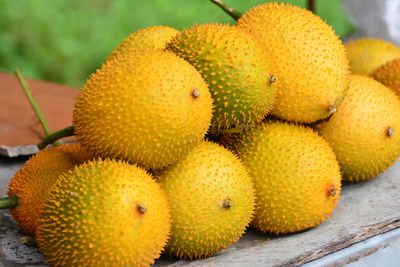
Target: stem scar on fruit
(332,191)
(332,108)
(227,203)
(196,93)
(142,208)
(390,131)
(272,78)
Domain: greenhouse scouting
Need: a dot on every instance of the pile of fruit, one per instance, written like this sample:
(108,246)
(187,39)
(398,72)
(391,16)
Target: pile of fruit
(187,138)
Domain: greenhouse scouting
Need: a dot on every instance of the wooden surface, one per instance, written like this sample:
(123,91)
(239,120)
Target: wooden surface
(364,210)
(19,124)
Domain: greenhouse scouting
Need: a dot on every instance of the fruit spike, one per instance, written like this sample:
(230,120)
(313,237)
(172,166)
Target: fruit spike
(364,130)
(366,55)
(310,60)
(211,197)
(117,216)
(147,39)
(295,173)
(389,75)
(238,69)
(149,108)
(30,185)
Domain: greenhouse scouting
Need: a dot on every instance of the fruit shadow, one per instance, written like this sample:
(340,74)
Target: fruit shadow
(252,238)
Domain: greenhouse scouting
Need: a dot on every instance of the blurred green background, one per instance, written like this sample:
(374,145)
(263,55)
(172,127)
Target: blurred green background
(65,41)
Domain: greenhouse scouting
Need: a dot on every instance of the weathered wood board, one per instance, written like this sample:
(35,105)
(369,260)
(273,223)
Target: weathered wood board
(20,129)
(364,210)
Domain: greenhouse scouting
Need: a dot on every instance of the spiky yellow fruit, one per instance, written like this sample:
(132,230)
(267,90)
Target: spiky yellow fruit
(311,62)
(149,108)
(236,67)
(147,39)
(211,197)
(365,131)
(296,176)
(367,54)
(106,213)
(31,184)
(389,75)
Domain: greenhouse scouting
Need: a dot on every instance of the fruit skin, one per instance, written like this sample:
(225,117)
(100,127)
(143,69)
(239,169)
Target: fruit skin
(236,67)
(141,108)
(368,54)
(311,62)
(147,39)
(359,131)
(106,213)
(197,188)
(31,183)
(296,176)
(389,75)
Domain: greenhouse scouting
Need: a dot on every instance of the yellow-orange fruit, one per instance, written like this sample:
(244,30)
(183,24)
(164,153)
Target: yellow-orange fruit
(389,75)
(296,176)
(367,54)
(104,213)
(211,197)
(311,63)
(148,108)
(365,131)
(32,182)
(147,39)
(237,68)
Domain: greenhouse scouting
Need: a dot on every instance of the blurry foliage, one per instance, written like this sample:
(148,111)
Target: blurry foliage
(65,41)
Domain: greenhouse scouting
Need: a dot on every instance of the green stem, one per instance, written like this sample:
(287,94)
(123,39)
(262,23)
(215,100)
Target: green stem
(229,10)
(8,202)
(28,240)
(33,102)
(51,138)
(311,5)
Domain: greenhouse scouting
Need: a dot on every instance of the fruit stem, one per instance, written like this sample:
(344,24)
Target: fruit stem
(28,240)
(332,108)
(272,78)
(196,93)
(67,131)
(227,203)
(8,202)
(311,5)
(142,208)
(332,191)
(228,10)
(390,131)
(33,102)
